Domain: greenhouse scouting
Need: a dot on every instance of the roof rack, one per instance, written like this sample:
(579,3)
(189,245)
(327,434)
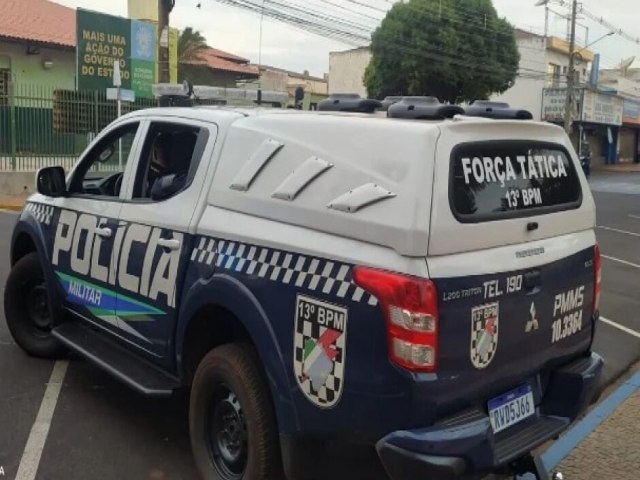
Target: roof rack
(348,102)
(187,95)
(496,110)
(423,108)
(390,100)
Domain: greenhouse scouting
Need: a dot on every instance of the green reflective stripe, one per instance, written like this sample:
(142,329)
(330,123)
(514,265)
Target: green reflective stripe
(124,313)
(100,312)
(152,310)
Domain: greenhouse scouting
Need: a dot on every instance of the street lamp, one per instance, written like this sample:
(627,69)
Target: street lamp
(595,41)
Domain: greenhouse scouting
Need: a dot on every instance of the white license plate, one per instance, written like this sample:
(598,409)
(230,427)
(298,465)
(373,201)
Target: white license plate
(511,408)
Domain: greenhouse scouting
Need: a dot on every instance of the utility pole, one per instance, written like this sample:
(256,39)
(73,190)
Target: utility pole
(568,105)
(164,8)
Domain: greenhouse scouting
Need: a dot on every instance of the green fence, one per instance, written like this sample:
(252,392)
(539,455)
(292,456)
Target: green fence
(44,125)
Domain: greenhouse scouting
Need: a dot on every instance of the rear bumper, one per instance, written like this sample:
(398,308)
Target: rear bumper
(465,446)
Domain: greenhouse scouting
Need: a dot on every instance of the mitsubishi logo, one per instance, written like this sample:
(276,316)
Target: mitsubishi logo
(532,323)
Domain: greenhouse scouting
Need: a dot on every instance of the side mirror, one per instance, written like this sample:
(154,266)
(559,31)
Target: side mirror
(51,182)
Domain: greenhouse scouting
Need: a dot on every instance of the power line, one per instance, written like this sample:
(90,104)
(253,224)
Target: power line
(318,24)
(329,2)
(356,2)
(599,19)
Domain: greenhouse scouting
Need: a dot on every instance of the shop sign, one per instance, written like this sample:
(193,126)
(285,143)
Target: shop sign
(553,100)
(631,112)
(603,109)
(104,39)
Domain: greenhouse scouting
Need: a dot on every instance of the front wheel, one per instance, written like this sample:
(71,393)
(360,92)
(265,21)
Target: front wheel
(231,419)
(27,309)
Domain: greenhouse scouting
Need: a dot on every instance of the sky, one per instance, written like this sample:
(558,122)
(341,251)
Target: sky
(284,46)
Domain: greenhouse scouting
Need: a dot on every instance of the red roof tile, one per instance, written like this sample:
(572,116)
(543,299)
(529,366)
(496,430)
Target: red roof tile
(38,21)
(211,58)
(228,56)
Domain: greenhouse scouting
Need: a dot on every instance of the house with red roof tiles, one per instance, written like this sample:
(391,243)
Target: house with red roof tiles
(38,43)
(217,68)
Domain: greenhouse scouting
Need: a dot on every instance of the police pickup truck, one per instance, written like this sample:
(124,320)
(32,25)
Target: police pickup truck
(409,294)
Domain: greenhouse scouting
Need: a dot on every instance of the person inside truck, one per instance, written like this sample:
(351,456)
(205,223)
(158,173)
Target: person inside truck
(158,163)
(169,163)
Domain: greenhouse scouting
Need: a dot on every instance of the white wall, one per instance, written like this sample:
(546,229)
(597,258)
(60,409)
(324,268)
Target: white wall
(346,71)
(526,93)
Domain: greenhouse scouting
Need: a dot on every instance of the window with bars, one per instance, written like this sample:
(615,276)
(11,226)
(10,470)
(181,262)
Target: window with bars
(4,86)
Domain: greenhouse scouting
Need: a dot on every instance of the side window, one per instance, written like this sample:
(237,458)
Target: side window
(102,169)
(170,157)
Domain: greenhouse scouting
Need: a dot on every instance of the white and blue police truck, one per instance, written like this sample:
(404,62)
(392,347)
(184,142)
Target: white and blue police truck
(350,293)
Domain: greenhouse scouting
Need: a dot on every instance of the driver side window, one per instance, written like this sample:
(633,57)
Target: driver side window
(102,169)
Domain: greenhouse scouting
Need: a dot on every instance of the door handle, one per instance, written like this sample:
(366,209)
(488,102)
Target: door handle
(103,232)
(169,243)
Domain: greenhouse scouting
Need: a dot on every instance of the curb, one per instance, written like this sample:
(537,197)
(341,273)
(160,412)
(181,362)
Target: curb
(12,208)
(581,429)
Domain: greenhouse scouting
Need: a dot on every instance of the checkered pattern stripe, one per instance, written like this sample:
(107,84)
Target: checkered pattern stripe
(329,393)
(481,355)
(205,252)
(42,213)
(306,272)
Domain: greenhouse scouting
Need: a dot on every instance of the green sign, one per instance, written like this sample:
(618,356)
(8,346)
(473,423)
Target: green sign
(103,40)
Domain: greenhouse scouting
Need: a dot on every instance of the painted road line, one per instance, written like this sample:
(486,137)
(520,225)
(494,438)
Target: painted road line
(617,230)
(37,438)
(575,435)
(624,262)
(637,217)
(633,333)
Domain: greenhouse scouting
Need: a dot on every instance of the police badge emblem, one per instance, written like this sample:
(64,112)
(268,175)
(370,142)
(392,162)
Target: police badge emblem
(484,334)
(320,350)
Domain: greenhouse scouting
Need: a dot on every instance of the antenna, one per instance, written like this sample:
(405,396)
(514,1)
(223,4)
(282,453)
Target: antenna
(260,56)
(626,63)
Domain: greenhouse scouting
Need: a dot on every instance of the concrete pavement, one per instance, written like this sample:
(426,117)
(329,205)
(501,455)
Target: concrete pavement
(605,444)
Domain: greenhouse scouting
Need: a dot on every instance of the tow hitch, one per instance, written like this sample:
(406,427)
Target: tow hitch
(531,467)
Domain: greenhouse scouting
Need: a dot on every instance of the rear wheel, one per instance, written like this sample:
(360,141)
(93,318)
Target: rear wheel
(231,420)
(27,309)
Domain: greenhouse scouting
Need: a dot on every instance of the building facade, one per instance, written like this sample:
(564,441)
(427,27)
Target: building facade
(217,68)
(625,82)
(346,71)
(35,48)
(314,89)
(544,63)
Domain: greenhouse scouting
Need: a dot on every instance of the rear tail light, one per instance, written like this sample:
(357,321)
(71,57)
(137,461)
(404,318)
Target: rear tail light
(410,307)
(597,278)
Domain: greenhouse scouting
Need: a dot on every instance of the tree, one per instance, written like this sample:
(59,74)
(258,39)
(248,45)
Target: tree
(190,44)
(456,50)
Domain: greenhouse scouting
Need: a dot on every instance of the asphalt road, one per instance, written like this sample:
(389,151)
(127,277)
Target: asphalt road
(102,430)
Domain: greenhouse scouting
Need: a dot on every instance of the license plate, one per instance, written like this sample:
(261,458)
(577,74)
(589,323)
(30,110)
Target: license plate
(511,408)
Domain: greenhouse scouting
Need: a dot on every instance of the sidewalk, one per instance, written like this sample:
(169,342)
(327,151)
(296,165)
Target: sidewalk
(611,450)
(617,168)
(12,202)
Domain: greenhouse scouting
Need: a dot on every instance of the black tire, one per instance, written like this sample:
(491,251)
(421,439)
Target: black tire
(234,434)
(27,309)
